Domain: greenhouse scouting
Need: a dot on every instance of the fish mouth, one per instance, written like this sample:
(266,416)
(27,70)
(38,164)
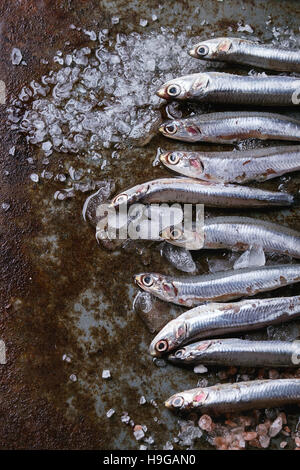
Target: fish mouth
(164,234)
(163,156)
(193,53)
(162,129)
(137,279)
(168,404)
(161,93)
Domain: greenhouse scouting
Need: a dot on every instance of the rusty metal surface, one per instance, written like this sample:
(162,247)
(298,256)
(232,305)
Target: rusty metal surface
(62,294)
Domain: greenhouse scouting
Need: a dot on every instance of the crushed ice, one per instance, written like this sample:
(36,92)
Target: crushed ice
(101,97)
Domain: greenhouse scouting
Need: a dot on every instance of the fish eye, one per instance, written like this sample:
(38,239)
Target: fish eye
(175,234)
(171,128)
(173,158)
(120,198)
(147,281)
(202,50)
(162,345)
(179,353)
(177,402)
(173,90)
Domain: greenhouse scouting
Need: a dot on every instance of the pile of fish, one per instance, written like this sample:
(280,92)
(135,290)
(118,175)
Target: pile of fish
(214,179)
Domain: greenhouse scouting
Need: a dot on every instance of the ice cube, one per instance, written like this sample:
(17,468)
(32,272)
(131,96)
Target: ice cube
(16,56)
(34,177)
(91,34)
(255,256)
(125,418)
(66,358)
(142,400)
(5,206)
(143,23)
(246,28)
(200,369)
(46,146)
(106,374)
(139,434)
(168,446)
(110,413)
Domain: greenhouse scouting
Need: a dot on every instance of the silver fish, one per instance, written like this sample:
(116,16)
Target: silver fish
(242,51)
(234,167)
(189,190)
(233,126)
(211,320)
(216,87)
(239,352)
(220,287)
(237,234)
(238,396)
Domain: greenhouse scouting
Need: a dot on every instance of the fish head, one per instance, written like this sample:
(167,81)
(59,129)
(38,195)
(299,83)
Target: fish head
(189,353)
(183,88)
(183,237)
(186,163)
(157,284)
(179,356)
(211,49)
(169,338)
(181,130)
(184,401)
(129,196)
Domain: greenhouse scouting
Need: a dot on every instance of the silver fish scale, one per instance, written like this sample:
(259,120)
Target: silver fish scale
(248,52)
(233,284)
(240,167)
(260,55)
(245,124)
(239,352)
(247,395)
(230,127)
(216,195)
(214,319)
(238,234)
(236,89)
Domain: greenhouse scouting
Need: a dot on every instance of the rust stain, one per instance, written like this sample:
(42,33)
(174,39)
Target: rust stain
(36,294)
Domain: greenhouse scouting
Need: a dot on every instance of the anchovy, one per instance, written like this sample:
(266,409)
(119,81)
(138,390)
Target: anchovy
(233,126)
(216,87)
(235,167)
(239,352)
(220,287)
(189,190)
(237,234)
(212,320)
(237,396)
(242,51)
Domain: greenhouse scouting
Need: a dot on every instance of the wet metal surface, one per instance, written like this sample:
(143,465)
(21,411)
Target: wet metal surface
(66,303)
